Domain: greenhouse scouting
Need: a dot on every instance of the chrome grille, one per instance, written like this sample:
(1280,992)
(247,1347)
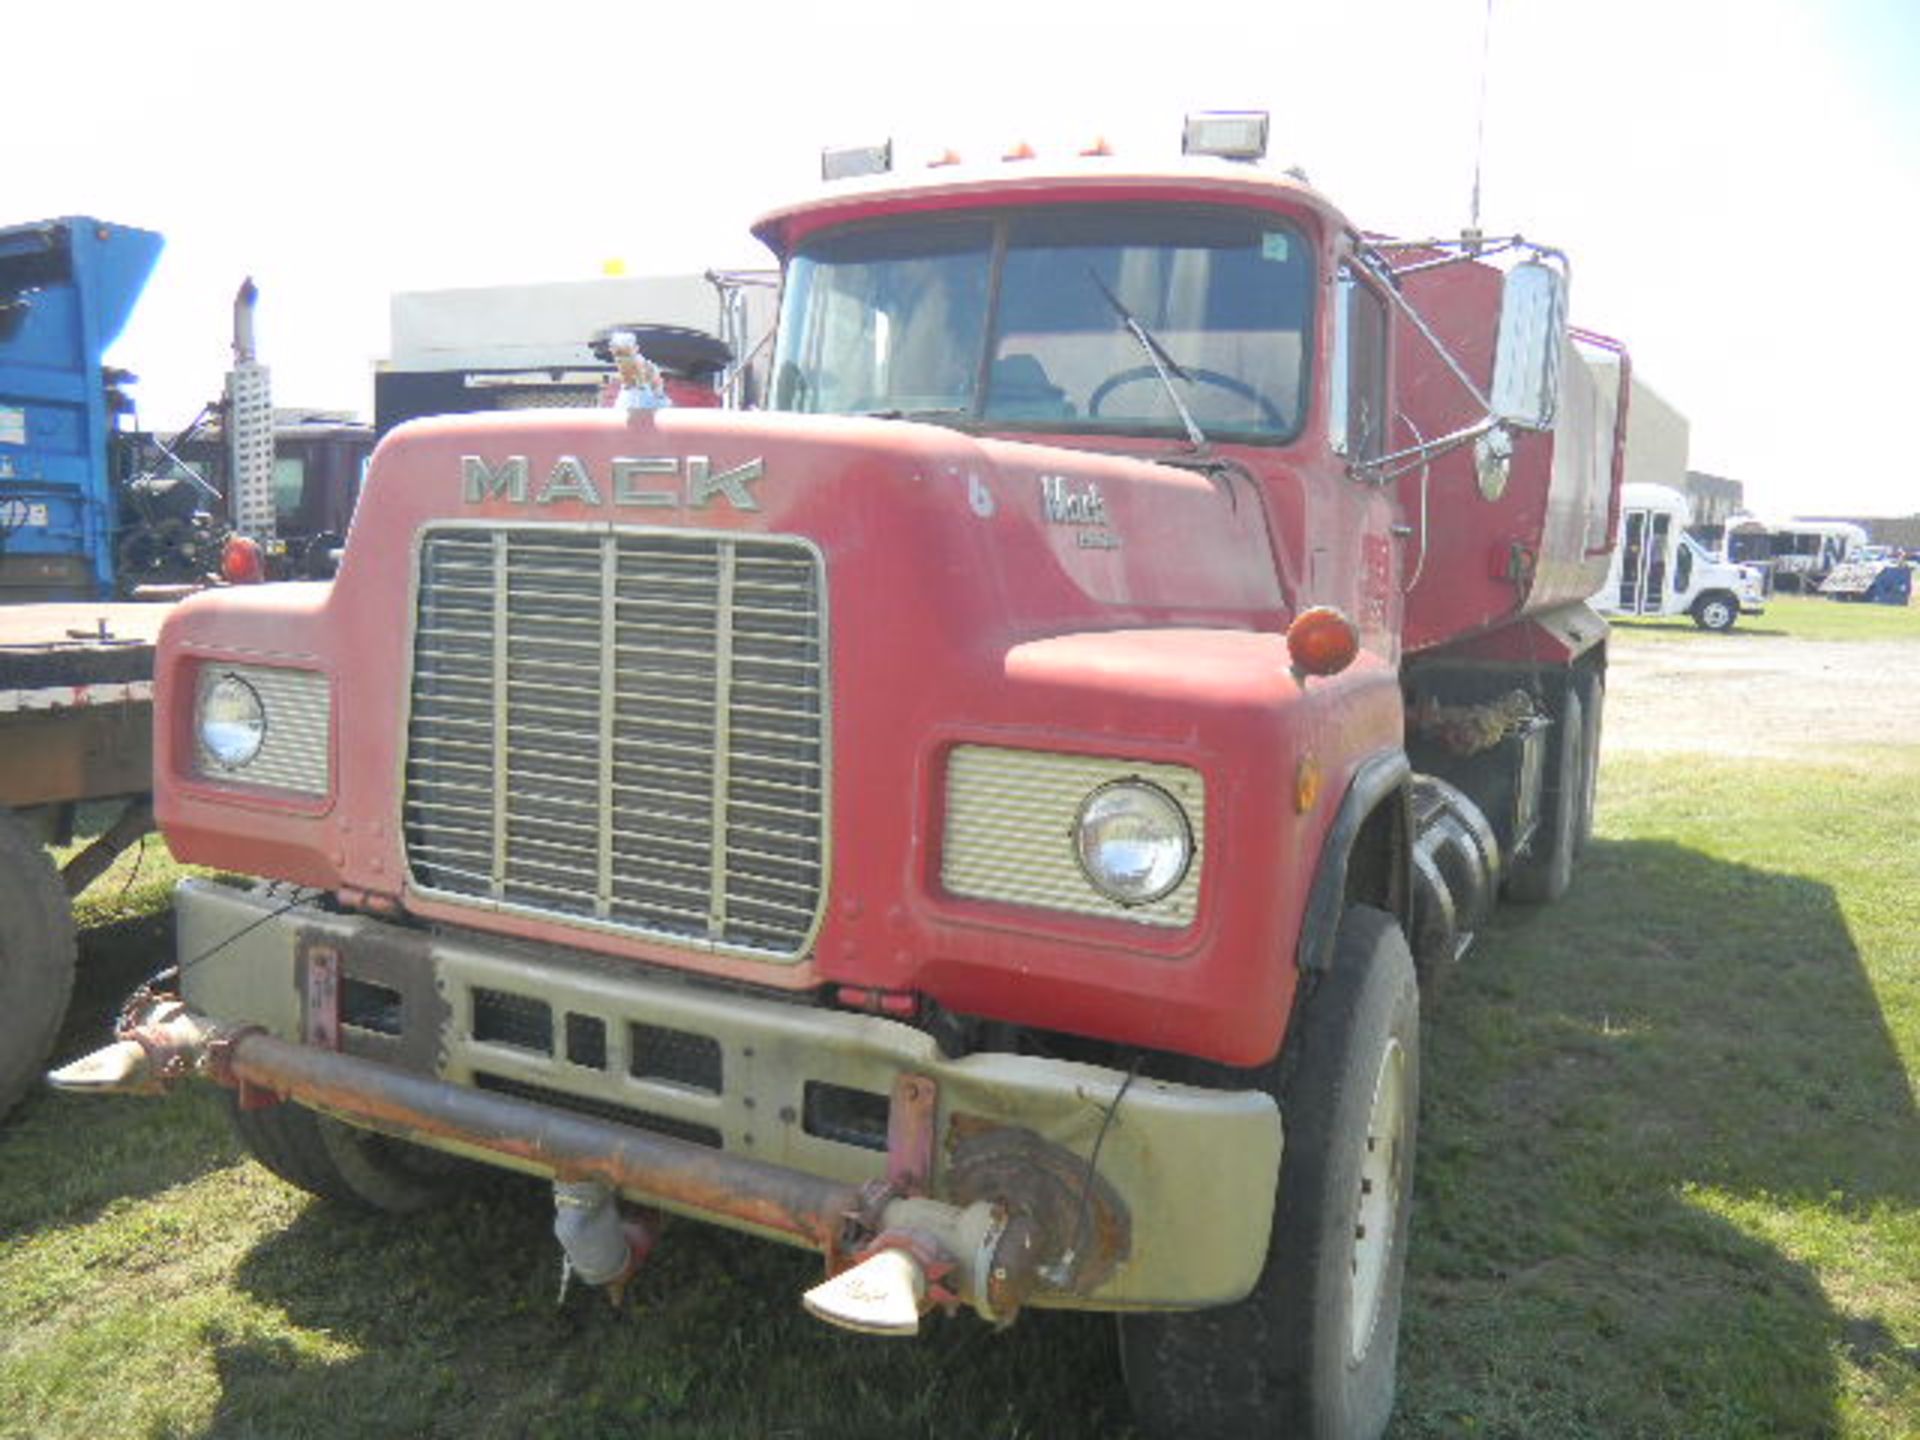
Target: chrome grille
(626,728)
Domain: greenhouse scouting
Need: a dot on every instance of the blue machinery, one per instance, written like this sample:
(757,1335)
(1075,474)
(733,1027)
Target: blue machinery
(66,289)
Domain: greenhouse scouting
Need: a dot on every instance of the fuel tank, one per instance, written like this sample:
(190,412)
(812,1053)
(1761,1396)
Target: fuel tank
(1482,556)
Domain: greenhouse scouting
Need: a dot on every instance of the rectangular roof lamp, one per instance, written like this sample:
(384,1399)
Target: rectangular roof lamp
(845,162)
(1228,134)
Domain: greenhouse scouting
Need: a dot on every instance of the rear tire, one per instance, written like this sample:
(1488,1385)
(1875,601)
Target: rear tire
(1542,873)
(344,1164)
(37,957)
(1313,1350)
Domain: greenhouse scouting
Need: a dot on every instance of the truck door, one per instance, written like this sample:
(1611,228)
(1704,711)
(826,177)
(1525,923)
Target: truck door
(1653,589)
(1644,537)
(1632,541)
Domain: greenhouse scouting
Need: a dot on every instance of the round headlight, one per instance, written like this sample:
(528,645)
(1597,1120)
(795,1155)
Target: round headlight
(233,722)
(1133,841)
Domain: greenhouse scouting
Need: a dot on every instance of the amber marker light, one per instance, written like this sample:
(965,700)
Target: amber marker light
(1022,151)
(1306,784)
(1321,641)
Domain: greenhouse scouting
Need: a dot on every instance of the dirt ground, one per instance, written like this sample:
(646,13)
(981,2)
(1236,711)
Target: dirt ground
(1744,694)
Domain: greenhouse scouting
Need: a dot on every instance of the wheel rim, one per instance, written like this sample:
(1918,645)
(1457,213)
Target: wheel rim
(1376,1219)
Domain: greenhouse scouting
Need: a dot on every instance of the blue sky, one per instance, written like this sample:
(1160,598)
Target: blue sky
(1732,180)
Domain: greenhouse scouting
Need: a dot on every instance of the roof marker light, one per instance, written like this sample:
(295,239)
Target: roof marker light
(1228,134)
(945,157)
(1022,151)
(1098,147)
(848,161)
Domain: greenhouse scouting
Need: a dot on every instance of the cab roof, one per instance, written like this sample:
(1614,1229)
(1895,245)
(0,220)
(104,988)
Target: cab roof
(1095,179)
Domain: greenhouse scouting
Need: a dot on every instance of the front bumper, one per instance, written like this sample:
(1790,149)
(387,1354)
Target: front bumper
(794,1086)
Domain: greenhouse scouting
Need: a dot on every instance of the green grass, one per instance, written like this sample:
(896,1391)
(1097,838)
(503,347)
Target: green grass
(138,884)
(1669,1186)
(1805,617)
(1671,1167)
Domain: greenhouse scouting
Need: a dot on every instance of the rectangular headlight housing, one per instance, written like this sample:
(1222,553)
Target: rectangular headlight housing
(295,750)
(1010,823)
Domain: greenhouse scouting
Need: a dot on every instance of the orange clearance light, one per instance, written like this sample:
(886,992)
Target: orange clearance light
(241,562)
(945,157)
(1321,641)
(1022,151)
(1306,783)
(1098,147)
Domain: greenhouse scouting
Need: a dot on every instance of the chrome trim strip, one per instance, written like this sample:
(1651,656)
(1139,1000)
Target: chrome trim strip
(722,740)
(500,652)
(609,694)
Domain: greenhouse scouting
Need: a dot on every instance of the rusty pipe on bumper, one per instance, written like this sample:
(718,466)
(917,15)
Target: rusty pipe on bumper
(166,1042)
(571,1147)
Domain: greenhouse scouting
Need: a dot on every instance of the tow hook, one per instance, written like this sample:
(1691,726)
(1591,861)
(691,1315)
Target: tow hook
(882,1295)
(598,1243)
(166,1043)
(930,1254)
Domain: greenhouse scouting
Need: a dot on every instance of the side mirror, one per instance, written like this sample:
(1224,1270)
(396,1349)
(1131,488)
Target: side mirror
(1526,364)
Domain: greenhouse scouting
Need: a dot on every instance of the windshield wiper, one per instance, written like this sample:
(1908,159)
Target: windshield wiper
(936,415)
(1164,365)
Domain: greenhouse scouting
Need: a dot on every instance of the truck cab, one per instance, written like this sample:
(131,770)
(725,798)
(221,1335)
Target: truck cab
(960,820)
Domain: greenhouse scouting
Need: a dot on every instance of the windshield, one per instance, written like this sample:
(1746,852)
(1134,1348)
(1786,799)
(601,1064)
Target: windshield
(1017,320)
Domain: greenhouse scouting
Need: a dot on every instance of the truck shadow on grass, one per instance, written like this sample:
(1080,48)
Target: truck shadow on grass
(1651,1112)
(456,1332)
(133,1146)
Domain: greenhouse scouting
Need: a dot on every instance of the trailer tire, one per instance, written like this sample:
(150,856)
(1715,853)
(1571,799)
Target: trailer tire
(343,1163)
(1716,612)
(1543,872)
(37,958)
(1313,1350)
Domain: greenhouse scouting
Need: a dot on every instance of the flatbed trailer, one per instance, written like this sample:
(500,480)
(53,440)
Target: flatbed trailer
(76,727)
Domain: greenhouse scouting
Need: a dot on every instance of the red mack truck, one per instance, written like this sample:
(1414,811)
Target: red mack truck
(986,818)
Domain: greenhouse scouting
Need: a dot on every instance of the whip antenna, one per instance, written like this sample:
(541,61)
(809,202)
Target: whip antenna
(1472,237)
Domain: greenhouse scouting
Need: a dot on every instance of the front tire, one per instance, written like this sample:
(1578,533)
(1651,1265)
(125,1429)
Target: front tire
(37,958)
(342,1163)
(1313,1350)
(1715,612)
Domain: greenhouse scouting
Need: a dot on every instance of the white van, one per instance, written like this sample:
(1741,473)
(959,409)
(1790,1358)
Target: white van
(1658,569)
